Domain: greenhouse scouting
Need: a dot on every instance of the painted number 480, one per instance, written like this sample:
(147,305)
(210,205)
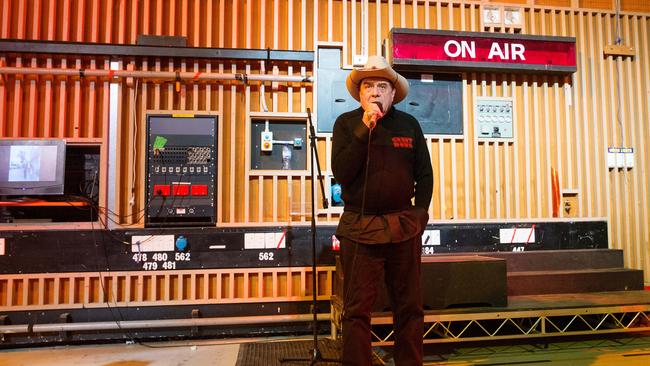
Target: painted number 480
(266,256)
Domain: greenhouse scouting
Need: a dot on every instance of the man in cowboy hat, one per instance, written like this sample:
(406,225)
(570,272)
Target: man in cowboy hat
(381,160)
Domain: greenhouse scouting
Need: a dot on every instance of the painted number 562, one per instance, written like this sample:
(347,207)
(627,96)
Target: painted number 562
(265,256)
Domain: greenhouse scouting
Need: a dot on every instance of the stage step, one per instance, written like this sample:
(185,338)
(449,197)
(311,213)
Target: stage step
(449,281)
(574,281)
(557,260)
(453,279)
(567,271)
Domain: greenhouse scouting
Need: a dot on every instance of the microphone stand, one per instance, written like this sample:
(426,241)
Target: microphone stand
(315,355)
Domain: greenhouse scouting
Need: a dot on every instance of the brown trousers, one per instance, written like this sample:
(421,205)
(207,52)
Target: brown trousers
(363,266)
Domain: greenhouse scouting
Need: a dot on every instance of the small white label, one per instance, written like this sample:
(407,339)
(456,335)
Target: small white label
(629,160)
(426,78)
(254,241)
(2,246)
(611,157)
(269,241)
(152,243)
(629,157)
(359,60)
(517,235)
(431,237)
(620,159)
(280,240)
(273,240)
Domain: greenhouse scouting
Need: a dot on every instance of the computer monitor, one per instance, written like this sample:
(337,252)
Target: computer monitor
(32,167)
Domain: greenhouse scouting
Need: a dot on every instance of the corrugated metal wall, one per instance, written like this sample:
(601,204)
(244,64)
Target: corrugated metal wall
(562,123)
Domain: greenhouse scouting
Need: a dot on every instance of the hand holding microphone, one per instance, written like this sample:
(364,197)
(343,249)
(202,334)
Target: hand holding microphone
(374,115)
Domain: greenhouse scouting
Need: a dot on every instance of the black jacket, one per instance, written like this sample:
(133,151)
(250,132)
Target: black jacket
(400,165)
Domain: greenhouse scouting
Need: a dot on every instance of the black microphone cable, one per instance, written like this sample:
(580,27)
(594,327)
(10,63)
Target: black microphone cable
(363,205)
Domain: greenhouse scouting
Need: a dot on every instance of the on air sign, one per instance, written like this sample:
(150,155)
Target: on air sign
(499,51)
(417,49)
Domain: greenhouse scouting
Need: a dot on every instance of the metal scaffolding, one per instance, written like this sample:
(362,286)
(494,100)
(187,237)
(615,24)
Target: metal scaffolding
(446,327)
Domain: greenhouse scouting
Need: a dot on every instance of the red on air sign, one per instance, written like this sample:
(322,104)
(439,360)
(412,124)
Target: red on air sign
(457,51)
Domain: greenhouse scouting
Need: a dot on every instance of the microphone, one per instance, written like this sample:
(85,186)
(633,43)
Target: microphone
(376,116)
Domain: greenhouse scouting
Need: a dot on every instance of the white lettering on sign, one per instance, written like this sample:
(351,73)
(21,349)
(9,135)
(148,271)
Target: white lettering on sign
(518,50)
(448,45)
(495,49)
(463,48)
(503,51)
(506,52)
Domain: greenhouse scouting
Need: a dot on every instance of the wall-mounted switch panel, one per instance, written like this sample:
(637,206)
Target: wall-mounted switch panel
(494,117)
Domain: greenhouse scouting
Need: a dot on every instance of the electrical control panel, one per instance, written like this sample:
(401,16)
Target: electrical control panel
(333,96)
(436,101)
(278,144)
(494,117)
(181,170)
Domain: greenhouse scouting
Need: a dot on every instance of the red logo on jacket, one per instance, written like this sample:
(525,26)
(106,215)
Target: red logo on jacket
(403,142)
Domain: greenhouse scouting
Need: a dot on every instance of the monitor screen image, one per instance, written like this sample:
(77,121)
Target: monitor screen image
(32,167)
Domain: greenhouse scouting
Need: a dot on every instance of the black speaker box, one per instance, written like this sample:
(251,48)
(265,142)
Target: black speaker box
(450,282)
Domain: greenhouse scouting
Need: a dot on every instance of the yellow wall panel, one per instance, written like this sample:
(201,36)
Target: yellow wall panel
(523,2)
(596,4)
(635,5)
(556,3)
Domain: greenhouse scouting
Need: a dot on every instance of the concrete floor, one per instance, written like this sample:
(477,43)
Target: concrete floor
(614,350)
(195,353)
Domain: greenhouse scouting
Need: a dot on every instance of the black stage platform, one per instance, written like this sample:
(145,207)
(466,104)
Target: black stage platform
(585,320)
(550,302)
(527,316)
(603,350)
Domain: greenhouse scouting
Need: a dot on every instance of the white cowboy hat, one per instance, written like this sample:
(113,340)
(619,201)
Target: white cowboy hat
(377,67)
